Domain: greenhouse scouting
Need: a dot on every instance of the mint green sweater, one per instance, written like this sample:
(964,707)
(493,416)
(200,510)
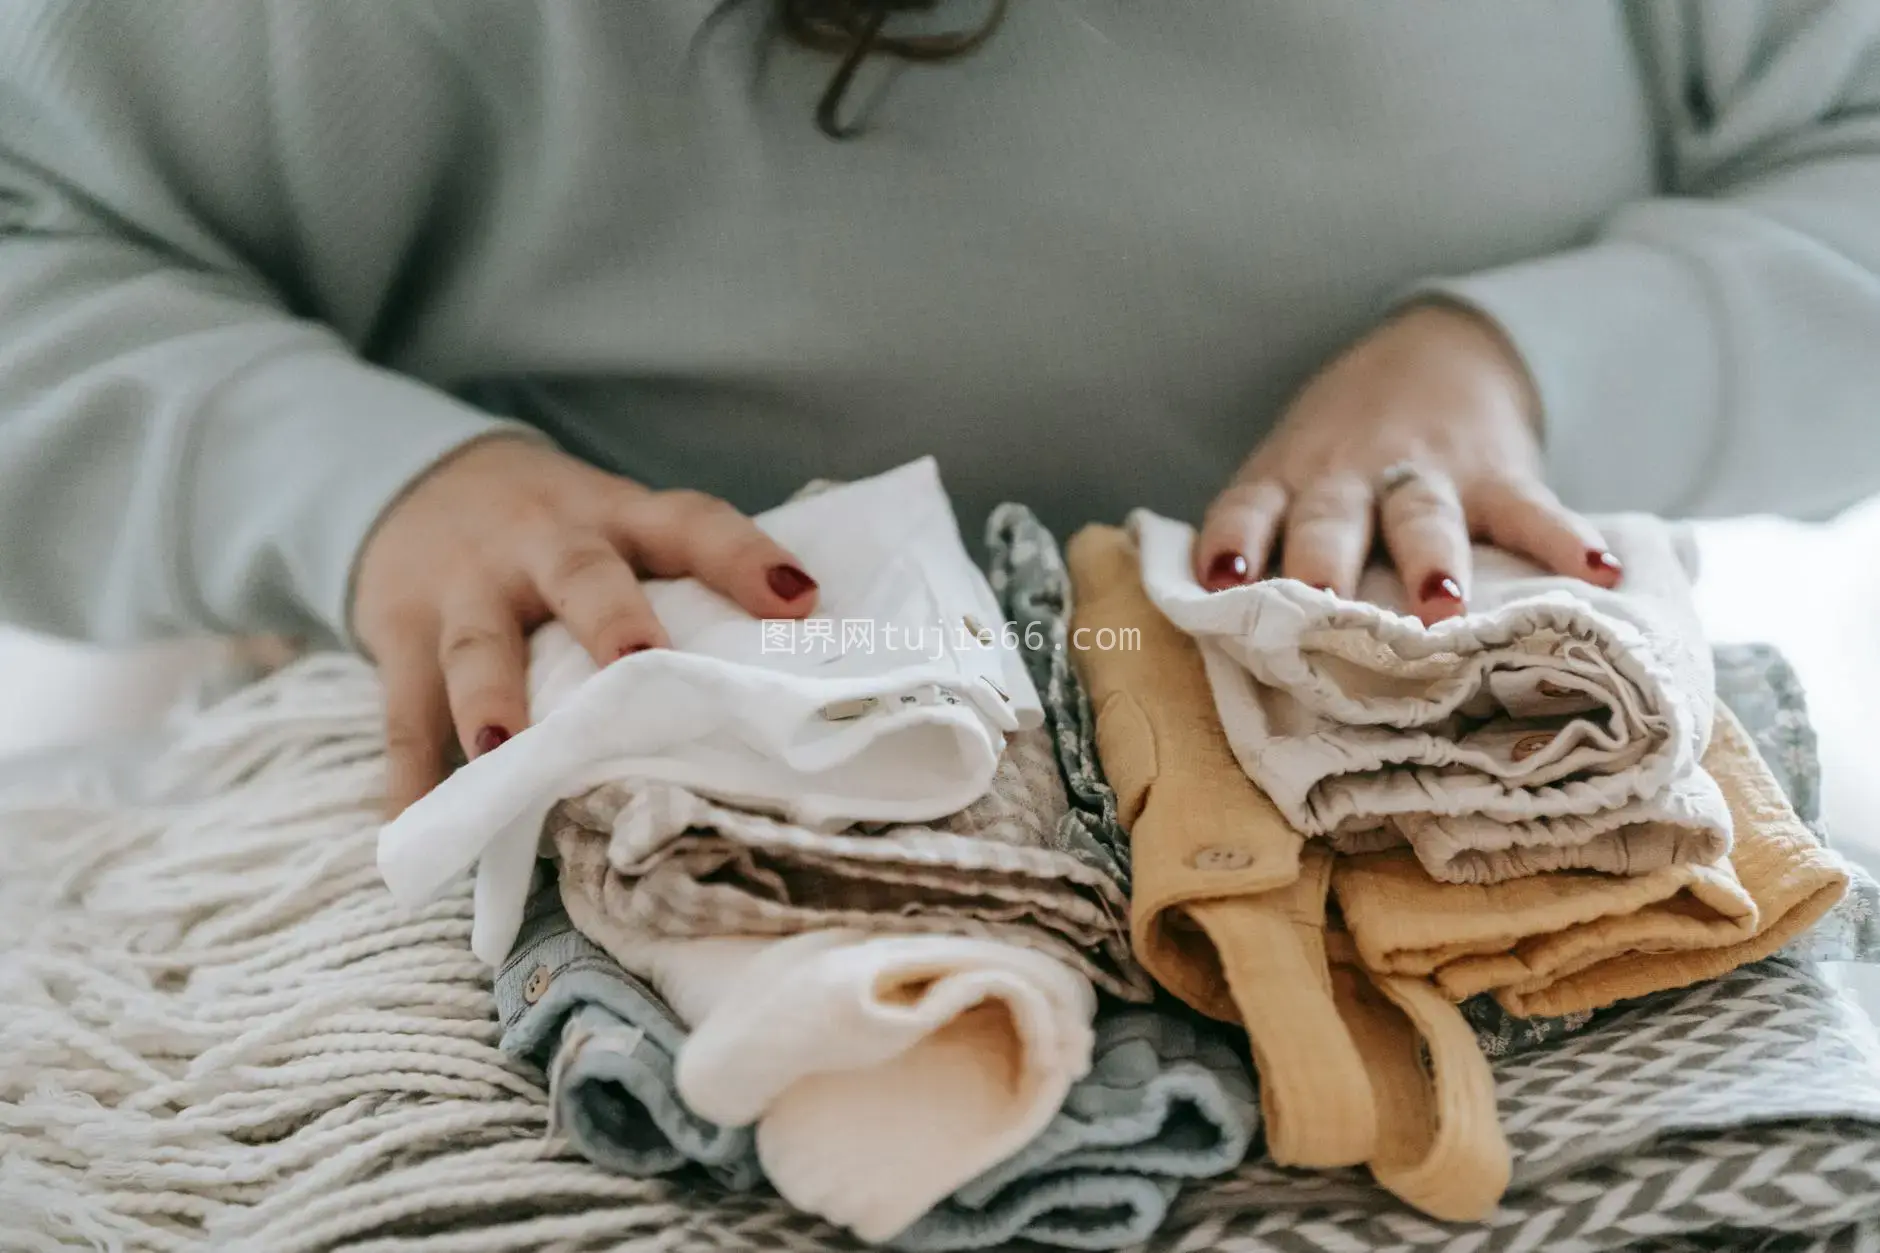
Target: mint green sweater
(264,261)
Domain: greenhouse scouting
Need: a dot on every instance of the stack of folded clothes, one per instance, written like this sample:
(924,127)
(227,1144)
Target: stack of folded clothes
(1556,727)
(875,916)
(824,913)
(1539,800)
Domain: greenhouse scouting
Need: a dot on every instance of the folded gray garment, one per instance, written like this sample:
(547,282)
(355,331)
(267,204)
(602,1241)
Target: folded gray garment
(607,1042)
(1167,1099)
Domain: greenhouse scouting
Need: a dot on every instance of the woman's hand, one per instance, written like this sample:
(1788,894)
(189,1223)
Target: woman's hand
(1425,431)
(504,536)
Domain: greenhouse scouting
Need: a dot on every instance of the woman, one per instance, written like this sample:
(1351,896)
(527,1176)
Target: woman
(414,322)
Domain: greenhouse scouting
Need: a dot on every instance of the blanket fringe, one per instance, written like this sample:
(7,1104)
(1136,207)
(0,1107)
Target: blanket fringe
(222,1034)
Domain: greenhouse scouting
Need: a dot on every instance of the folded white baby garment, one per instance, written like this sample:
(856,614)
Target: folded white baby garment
(883,1072)
(1556,725)
(891,704)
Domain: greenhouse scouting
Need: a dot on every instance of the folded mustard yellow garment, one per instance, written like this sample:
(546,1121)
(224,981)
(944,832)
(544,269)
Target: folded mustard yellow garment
(1573,941)
(1229,914)
(1211,833)
(1221,914)
(1439,1141)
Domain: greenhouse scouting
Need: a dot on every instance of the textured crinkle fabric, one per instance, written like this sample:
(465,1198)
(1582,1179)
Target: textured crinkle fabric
(1555,726)
(668,862)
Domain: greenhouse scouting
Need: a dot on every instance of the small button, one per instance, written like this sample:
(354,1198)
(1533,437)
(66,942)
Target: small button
(1220,857)
(1528,745)
(539,979)
(844,710)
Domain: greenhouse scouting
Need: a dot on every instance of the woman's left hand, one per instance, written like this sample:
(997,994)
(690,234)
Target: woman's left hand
(1425,431)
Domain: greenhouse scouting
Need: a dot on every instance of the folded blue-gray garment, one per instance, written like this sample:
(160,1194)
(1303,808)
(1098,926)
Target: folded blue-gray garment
(608,1043)
(1167,1099)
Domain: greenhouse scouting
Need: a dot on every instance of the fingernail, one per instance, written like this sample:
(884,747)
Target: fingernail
(1599,561)
(789,582)
(1440,586)
(630,649)
(1227,570)
(489,739)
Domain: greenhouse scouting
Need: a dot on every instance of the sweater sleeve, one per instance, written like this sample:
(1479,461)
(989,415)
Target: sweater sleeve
(178,451)
(1717,348)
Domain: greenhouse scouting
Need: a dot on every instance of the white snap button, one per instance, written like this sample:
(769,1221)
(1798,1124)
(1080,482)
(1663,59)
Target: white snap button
(1220,857)
(844,710)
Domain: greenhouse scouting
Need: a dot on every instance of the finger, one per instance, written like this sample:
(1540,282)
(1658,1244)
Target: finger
(417,724)
(1428,539)
(586,583)
(1328,534)
(1236,537)
(1527,518)
(678,533)
(485,665)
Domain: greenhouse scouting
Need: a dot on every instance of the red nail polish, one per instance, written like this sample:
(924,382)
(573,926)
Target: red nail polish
(1227,570)
(489,739)
(631,649)
(1326,587)
(1439,586)
(789,582)
(1599,561)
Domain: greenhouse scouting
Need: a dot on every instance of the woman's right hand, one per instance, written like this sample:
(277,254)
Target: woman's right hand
(500,538)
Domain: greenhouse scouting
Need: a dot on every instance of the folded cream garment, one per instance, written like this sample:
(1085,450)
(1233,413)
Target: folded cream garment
(1569,942)
(883,1072)
(891,705)
(1557,725)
